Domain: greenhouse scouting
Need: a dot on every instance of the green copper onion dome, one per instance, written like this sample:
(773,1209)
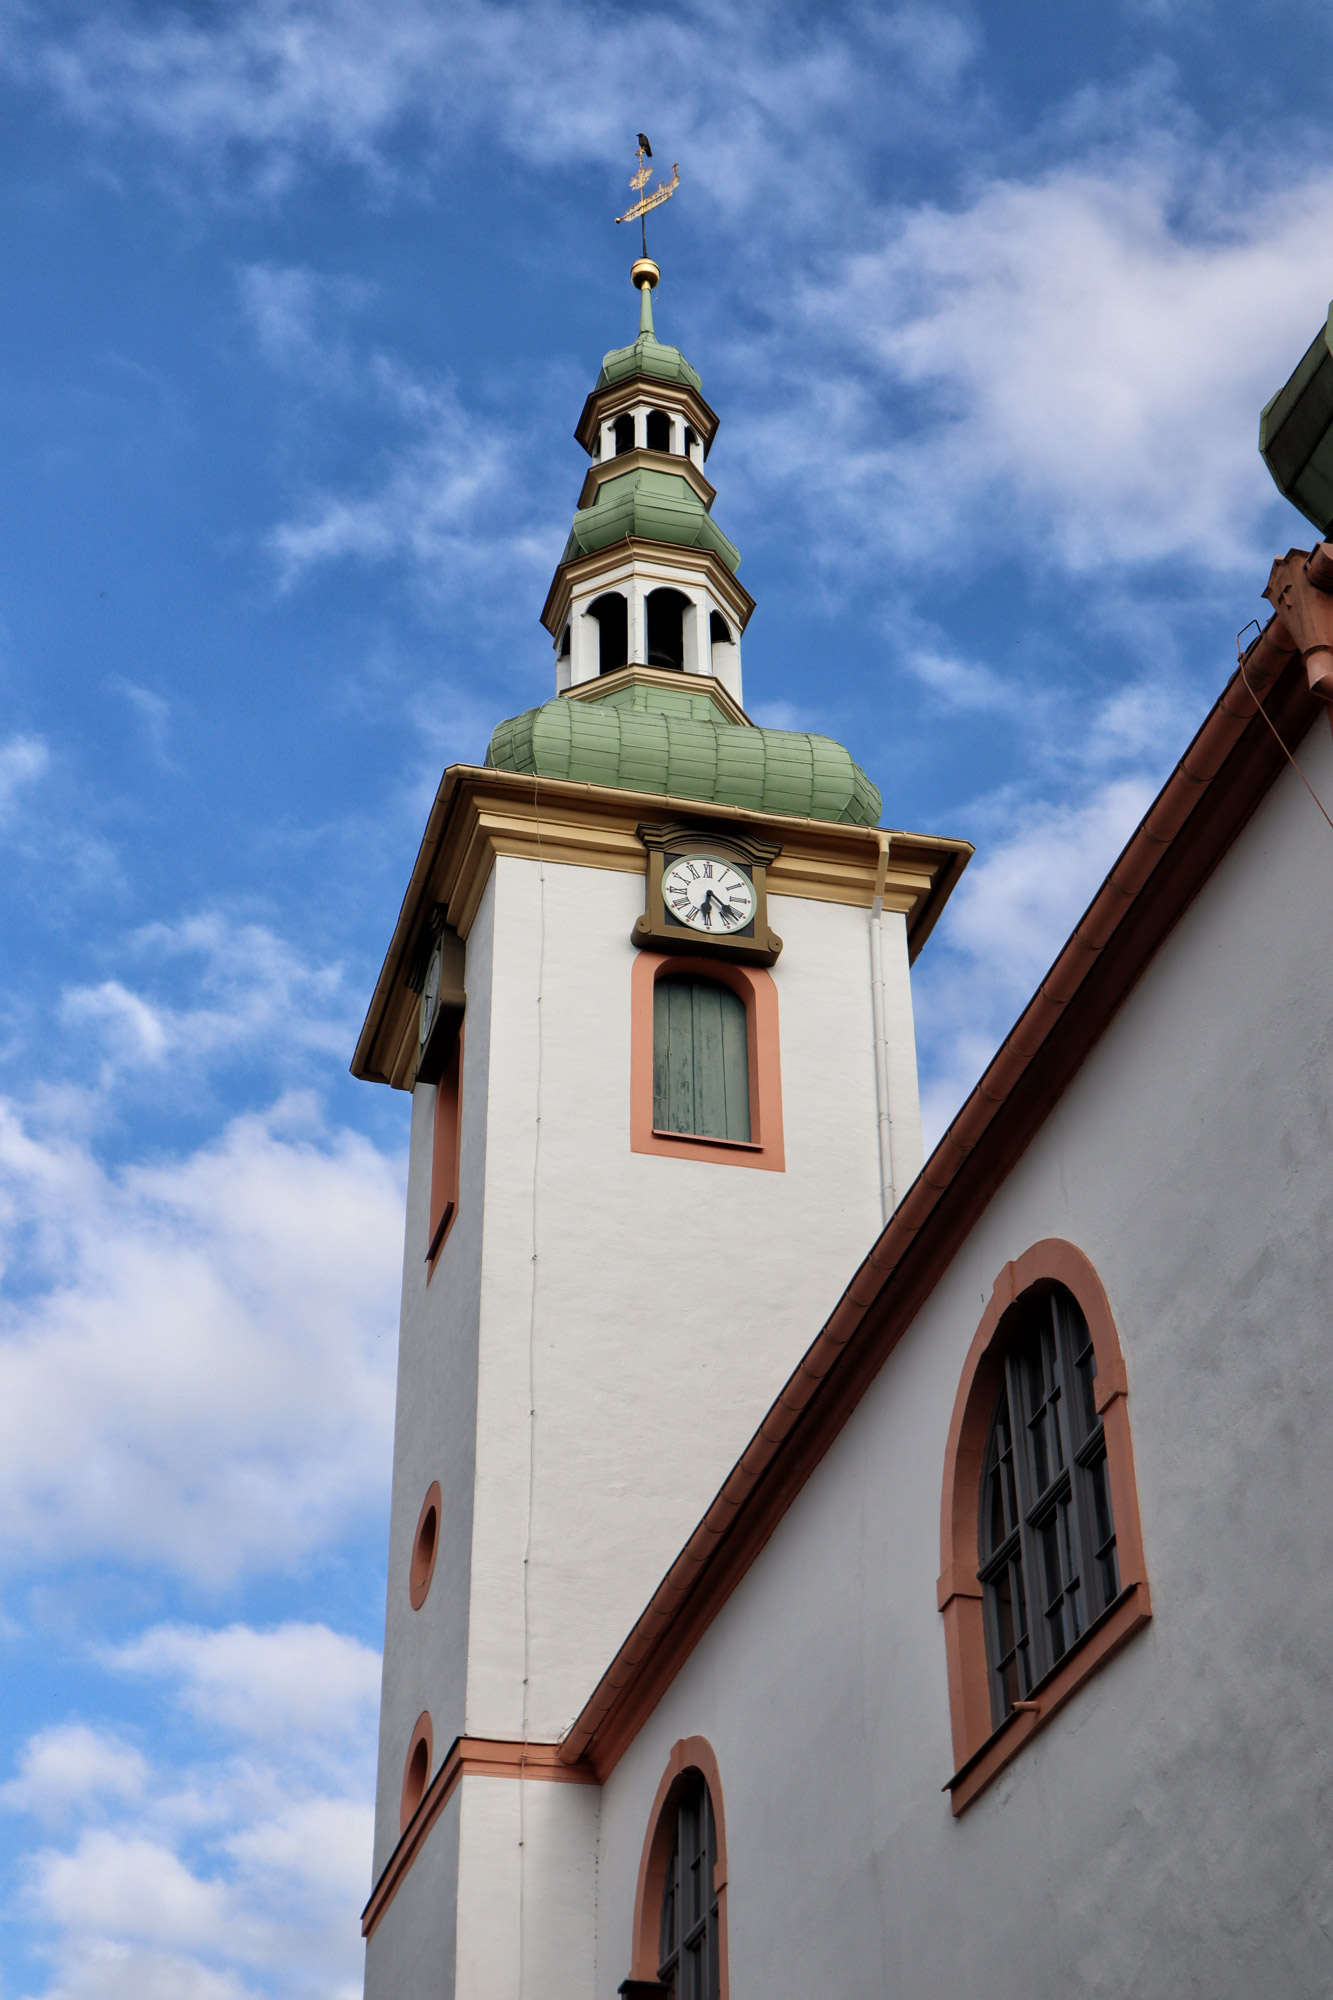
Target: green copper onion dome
(677,744)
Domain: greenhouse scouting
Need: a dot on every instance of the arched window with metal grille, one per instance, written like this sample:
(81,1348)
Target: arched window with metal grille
(1042,1576)
(1049,1567)
(689,1953)
(701,1061)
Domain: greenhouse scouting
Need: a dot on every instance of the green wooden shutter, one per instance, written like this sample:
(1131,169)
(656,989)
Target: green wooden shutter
(701,1064)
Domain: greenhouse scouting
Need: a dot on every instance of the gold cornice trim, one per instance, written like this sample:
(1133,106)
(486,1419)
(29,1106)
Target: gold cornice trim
(480,813)
(645,461)
(661,677)
(671,555)
(618,396)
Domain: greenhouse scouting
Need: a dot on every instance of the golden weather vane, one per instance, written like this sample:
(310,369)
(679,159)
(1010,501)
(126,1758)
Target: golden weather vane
(639,181)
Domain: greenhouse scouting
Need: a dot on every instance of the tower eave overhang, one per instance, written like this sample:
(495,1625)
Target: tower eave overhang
(613,397)
(604,469)
(667,680)
(480,813)
(619,558)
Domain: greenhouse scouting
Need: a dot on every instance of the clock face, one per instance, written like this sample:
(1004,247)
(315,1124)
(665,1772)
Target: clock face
(708,894)
(430,997)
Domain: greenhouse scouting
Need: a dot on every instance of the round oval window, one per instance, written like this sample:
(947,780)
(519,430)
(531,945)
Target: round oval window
(416,1772)
(425,1544)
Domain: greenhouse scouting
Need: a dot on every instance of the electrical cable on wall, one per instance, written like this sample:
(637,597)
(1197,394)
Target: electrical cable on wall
(879,1020)
(1240,659)
(532,1399)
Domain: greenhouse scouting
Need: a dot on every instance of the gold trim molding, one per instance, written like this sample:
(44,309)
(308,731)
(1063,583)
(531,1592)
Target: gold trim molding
(670,558)
(661,677)
(643,460)
(603,404)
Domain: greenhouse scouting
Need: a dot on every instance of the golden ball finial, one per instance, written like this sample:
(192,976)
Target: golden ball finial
(643,272)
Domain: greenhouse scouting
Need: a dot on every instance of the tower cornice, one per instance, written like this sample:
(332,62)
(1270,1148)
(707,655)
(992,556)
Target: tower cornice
(669,559)
(479,814)
(706,686)
(615,397)
(641,460)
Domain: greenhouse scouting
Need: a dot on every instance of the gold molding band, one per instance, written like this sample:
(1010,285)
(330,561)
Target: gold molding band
(608,402)
(636,675)
(673,559)
(639,459)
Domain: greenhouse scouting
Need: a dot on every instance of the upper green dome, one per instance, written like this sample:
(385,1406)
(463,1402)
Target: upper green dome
(647,356)
(660,506)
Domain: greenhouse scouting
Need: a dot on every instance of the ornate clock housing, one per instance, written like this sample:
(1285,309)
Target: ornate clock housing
(707,891)
(437,975)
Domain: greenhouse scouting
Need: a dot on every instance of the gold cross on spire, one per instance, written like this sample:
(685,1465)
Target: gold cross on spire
(639,181)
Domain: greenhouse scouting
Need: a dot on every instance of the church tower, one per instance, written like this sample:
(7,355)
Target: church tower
(649,990)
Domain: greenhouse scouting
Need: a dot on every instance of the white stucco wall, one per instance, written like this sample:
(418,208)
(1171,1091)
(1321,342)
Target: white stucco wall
(646,1346)
(1169,1831)
(425,1651)
(653,1347)
(527,1890)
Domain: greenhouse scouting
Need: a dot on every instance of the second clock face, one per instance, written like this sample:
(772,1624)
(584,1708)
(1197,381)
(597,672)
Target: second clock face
(430,999)
(708,894)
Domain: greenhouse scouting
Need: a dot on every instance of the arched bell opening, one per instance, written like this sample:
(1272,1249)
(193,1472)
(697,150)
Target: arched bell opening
(624,432)
(658,431)
(719,632)
(612,614)
(691,440)
(666,629)
(564,644)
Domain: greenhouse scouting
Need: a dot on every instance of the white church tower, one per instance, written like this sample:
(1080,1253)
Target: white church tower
(649,991)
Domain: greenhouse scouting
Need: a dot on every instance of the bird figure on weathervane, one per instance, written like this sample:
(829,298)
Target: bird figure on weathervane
(639,181)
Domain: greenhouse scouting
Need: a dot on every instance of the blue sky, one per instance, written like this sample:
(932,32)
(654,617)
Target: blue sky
(300,305)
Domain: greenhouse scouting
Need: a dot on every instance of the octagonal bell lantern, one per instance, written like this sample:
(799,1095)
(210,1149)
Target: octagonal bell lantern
(1296,433)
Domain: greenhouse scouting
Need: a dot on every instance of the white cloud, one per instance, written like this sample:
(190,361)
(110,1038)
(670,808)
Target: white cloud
(962,685)
(198,1372)
(236,1864)
(1009,916)
(71,1766)
(130,1886)
(1074,361)
(251,990)
(153,710)
(444,501)
(752,100)
(103,1970)
(23,760)
(297,316)
(321,1843)
(288,1684)
(1016,904)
